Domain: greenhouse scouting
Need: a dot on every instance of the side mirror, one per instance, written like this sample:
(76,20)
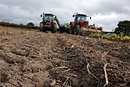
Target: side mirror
(55,16)
(73,15)
(41,15)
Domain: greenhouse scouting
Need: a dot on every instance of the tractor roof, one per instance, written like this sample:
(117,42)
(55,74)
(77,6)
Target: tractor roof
(81,15)
(49,14)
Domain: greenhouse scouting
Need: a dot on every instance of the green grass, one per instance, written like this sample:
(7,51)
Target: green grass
(27,29)
(120,37)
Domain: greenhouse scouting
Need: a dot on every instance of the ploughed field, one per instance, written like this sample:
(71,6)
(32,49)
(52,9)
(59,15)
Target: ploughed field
(37,59)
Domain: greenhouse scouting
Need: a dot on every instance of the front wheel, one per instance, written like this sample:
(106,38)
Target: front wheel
(76,30)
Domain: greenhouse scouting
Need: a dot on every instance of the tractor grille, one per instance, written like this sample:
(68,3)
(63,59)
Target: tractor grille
(47,22)
(85,23)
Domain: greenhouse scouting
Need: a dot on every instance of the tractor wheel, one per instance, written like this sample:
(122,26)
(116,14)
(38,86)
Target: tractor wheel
(70,31)
(40,29)
(76,30)
(54,29)
(44,30)
(41,26)
(61,29)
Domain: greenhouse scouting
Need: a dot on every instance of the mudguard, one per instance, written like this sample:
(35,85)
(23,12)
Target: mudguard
(54,22)
(72,23)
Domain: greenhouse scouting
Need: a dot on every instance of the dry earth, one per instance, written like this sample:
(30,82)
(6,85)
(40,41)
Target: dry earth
(37,59)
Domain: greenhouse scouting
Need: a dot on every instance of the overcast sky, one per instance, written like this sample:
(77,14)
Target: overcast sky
(105,13)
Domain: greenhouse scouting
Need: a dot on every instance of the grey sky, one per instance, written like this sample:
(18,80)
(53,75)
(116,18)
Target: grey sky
(105,13)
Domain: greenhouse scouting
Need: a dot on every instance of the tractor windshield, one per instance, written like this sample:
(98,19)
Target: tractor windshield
(49,17)
(80,18)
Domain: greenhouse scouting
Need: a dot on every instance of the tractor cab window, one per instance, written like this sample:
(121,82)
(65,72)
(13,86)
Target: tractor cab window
(49,17)
(80,18)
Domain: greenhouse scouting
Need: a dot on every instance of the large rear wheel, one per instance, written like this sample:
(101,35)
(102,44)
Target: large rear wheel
(70,31)
(44,29)
(40,29)
(76,30)
(54,28)
(41,26)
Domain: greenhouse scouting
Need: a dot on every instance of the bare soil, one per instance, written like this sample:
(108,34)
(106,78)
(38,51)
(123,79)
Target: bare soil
(37,59)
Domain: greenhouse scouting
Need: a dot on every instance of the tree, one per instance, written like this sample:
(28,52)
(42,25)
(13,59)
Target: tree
(123,26)
(30,24)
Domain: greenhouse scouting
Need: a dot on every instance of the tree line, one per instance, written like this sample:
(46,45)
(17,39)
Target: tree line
(29,25)
(124,27)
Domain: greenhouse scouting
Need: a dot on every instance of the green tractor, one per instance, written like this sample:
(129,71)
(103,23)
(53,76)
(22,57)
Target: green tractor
(48,23)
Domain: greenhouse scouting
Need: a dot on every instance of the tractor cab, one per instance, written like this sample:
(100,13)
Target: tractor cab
(49,16)
(79,18)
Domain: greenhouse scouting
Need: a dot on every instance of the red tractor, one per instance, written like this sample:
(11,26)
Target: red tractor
(81,25)
(48,23)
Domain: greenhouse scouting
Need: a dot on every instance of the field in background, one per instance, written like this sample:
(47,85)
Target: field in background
(7,24)
(29,29)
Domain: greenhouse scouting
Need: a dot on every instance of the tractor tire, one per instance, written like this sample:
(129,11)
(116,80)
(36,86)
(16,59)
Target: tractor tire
(40,29)
(76,30)
(54,29)
(43,29)
(41,26)
(70,31)
(61,29)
